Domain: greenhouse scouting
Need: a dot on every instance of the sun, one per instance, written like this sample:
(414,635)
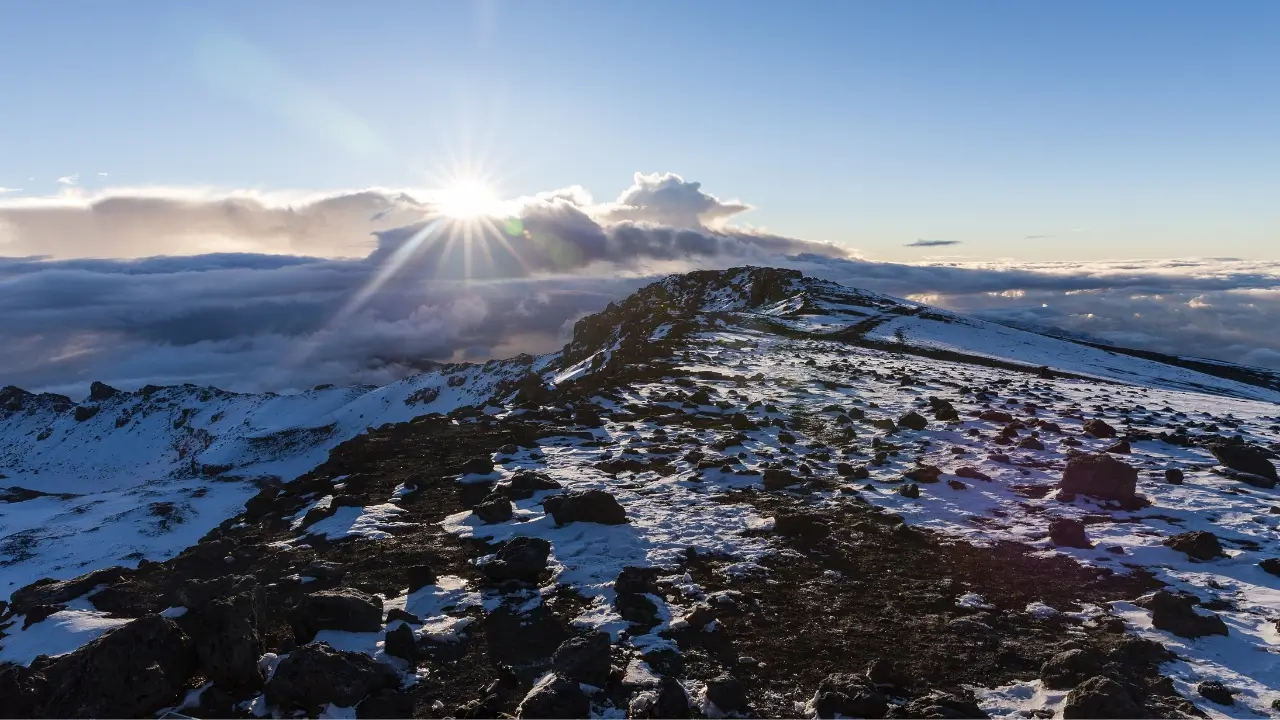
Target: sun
(467,198)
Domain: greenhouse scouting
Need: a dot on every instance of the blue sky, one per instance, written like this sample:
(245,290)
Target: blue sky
(1132,129)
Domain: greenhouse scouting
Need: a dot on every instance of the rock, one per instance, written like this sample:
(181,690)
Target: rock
(131,671)
(700,616)
(228,637)
(520,558)
(956,485)
(421,576)
(1271,565)
(312,676)
(943,705)
(850,696)
(1068,669)
(58,592)
(1099,428)
(1101,476)
(1248,460)
(885,424)
(401,643)
(477,466)
(669,700)
(1176,614)
(924,473)
(884,674)
(943,410)
(995,416)
(1215,691)
(844,469)
(99,391)
(910,490)
(1174,476)
(595,506)
(913,421)
(494,509)
(1030,443)
(395,614)
(1120,448)
(727,693)
(971,473)
(584,659)
(800,525)
(338,609)
(1101,697)
(555,696)
(775,479)
(388,703)
(1068,532)
(1198,545)
(525,483)
(632,589)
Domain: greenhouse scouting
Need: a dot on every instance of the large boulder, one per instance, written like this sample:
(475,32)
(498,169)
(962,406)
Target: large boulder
(1068,532)
(525,483)
(727,693)
(1099,428)
(584,659)
(228,637)
(1101,697)
(595,506)
(520,558)
(495,508)
(57,592)
(131,671)
(339,609)
(913,421)
(1176,613)
(314,675)
(1257,469)
(848,695)
(1070,668)
(633,589)
(555,696)
(777,479)
(943,705)
(1101,476)
(1198,545)
(668,700)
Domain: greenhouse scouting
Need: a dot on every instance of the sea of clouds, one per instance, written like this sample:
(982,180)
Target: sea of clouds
(253,292)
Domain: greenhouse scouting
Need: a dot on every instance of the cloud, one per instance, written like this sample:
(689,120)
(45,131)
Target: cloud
(4,190)
(1036,237)
(668,199)
(932,243)
(72,179)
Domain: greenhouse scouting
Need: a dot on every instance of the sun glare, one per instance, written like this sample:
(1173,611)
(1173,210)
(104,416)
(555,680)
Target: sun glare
(467,198)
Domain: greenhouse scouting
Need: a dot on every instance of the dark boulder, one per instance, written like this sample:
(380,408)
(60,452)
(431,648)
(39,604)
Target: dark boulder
(1101,697)
(1070,668)
(1258,470)
(584,659)
(555,696)
(421,576)
(885,424)
(58,592)
(1271,565)
(520,558)
(913,421)
(1030,443)
(923,474)
(1101,476)
(525,483)
(99,391)
(727,693)
(971,473)
(1176,613)
(595,506)
(849,695)
(228,635)
(477,466)
(1099,428)
(995,416)
(494,509)
(669,700)
(800,525)
(1215,691)
(338,609)
(909,490)
(1068,532)
(1198,545)
(1121,447)
(943,705)
(314,675)
(775,479)
(401,643)
(1174,476)
(632,591)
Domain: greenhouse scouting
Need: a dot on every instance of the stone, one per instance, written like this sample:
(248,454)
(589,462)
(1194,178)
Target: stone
(595,506)
(494,509)
(632,589)
(1101,476)
(1176,614)
(525,483)
(885,424)
(315,675)
(57,592)
(1101,697)
(1258,470)
(972,474)
(910,490)
(923,474)
(1198,545)
(401,643)
(956,485)
(1030,443)
(775,479)
(520,558)
(1271,565)
(421,576)
(477,466)
(800,525)
(727,693)
(555,696)
(1215,691)
(1099,428)
(1174,476)
(1070,668)
(913,421)
(849,695)
(943,705)
(995,416)
(584,659)
(1068,532)
(228,637)
(338,609)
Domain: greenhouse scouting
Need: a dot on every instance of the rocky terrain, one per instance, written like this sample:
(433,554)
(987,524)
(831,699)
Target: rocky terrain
(735,494)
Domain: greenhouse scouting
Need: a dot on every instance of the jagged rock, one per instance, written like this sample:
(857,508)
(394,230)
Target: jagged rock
(131,671)
(849,695)
(421,576)
(314,675)
(1215,691)
(883,673)
(738,421)
(924,474)
(1174,476)
(227,632)
(1099,428)
(632,589)
(885,424)
(99,391)
(595,506)
(1271,565)
(387,703)
(1257,469)
(775,479)
(395,614)
(1101,476)
(1030,443)
(520,558)
(555,696)
(1121,447)
(50,592)
(477,466)
(1101,697)
(700,616)
(668,700)
(86,412)
(727,693)
(1198,545)
(494,509)
(913,421)
(525,483)
(584,659)
(943,705)
(956,485)
(971,473)
(338,609)
(910,490)
(1068,532)
(943,410)
(800,525)
(1177,614)
(401,643)
(995,416)
(1070,668)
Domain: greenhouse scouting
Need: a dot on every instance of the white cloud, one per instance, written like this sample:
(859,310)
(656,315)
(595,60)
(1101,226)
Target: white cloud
(73,179)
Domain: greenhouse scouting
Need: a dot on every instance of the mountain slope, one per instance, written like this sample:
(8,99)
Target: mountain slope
(812,478)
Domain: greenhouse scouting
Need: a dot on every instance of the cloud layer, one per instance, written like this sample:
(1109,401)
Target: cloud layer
(370,286)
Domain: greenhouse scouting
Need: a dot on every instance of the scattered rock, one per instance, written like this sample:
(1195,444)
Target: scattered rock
(1068,669)
(885,424)
(494,509)
(584,659)
(1174,476)
(1030,443)
(632,590)
(727,693)
(339,609)
(525,483)
(401,643)
(1215,691)
(800,525)
(971,473)
(913,421)
(995,416)
(1257,469)
(1198,545)
(1121,447)
(1271,565)
(1101,476)
(520,558)
(595,506)
(421,576)
(956,485)
(1176,613)
(314,675)
(1068,532)
(1101,697)
(910,490)
(775,479)
(850,696)
(1099,428)
(555,696)
(924,474)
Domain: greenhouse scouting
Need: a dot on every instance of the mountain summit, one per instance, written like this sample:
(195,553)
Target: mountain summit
(735,493)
